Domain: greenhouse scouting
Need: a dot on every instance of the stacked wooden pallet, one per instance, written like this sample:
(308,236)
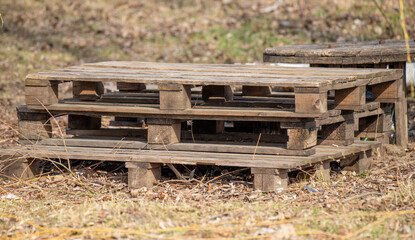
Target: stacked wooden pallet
(271,119)
(384,54)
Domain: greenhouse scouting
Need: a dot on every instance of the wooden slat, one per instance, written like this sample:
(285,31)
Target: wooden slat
(193,113)
(220,147)
(183,157)
(225,68)
(189,74)
(342,53)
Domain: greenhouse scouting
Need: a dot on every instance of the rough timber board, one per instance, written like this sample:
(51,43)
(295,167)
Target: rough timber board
(189,74)
(182,157)
(224,147)
(193,113)
(342,53)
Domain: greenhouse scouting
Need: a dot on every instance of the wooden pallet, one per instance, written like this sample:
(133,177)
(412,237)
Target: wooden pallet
(300,113)
(175,81)
(391,54)
(292,133)
(263,117)
(351,53)
(144,162)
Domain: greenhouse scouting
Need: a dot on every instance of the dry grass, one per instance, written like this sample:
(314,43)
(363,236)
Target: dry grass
(90,202)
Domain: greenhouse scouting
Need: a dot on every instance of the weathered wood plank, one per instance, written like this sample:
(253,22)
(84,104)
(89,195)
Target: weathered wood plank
(182,157)
(207,75)
(18,168)
(341,53)
(131,110)
(220,147)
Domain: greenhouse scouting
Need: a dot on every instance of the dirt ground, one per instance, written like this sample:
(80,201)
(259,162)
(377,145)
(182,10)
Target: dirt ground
(92,200)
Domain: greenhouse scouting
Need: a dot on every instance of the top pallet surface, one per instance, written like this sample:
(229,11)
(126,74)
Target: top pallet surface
(342,53)
(215,74)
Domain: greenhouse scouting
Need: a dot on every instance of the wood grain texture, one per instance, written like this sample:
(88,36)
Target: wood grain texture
(164,134)
(216,113)
(311,102)
(270,180)
(345,98)
(182,157)
(174,97)
(41,95)
(323,171)
(34,130)
(342,132)
(212,146)
(374,52)
(301,138)
(143,174)
(211,74)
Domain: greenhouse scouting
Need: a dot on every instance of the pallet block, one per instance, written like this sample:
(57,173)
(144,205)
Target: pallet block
(359,163)
(350,98)
(323,171)
(163,131)
(33,125)
(310,100)
(270,180)
(256,91)
(217,93)
(42,95)
(19,168)
(341,133)
(174,96)
(301,138)
(142,174)
(87,90)
(130,87)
